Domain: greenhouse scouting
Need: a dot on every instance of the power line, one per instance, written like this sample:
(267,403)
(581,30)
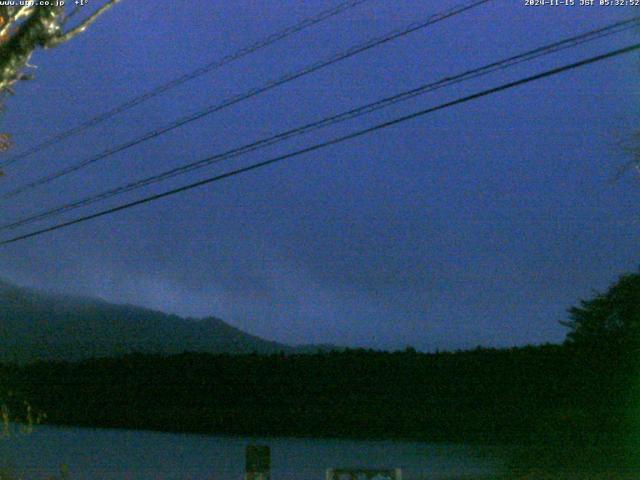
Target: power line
(334,141)
(554,47)
(249,94)
(213,65)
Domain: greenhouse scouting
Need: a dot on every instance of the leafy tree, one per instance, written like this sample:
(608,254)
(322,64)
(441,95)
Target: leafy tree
(609,320)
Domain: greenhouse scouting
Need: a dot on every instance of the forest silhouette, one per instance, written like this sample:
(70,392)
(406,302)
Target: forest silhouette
(585,390)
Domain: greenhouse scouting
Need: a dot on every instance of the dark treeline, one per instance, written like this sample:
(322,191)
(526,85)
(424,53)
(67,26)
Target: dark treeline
(585,391)
(484,395)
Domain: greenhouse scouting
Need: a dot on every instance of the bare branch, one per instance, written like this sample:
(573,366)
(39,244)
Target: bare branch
(65,37)
(71,15)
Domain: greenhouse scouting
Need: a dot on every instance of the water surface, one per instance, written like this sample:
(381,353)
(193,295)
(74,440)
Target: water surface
(139,455)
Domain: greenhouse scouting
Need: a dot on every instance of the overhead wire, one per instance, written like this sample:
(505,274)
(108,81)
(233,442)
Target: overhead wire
(209,67)
(572,42)
(334,141)
(247,95)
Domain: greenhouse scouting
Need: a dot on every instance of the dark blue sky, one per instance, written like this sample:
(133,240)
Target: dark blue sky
(479,224)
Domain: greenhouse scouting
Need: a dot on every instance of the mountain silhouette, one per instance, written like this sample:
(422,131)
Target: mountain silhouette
(41,326)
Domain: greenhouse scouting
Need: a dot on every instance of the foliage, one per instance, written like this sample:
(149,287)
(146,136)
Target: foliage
(569,462)
(25,28)
(610,320)
(484,395)
(17,415)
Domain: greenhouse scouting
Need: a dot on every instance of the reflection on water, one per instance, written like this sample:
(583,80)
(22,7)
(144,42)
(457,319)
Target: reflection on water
(137,455)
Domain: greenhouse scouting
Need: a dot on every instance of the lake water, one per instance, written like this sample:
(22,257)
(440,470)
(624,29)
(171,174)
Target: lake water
(93,454)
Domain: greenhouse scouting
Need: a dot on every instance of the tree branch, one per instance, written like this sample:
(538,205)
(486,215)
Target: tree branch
(43,27)
(11,16)
(65,37)
(34,32)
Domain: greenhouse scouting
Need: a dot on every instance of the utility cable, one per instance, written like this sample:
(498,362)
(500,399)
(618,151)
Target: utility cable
(247,95)
(572,42)
(334,141)
(213,65)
